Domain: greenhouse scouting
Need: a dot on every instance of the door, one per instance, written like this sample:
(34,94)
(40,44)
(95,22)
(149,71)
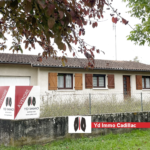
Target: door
(126,86)
(14,81)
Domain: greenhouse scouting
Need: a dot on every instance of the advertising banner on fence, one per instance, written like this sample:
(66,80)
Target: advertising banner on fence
(79,124)
(27,102)
(120,124)
(7,102)
(19,102)
(83,124)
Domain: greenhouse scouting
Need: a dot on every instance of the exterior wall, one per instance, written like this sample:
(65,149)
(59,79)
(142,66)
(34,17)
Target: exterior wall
(20,71)
(45,130)
(118,80)
(39,77)
(101,94)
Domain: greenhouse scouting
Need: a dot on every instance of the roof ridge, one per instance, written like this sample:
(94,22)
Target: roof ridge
(73,58)
(72,62)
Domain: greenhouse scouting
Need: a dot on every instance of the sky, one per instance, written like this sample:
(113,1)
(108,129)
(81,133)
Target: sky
(103,38)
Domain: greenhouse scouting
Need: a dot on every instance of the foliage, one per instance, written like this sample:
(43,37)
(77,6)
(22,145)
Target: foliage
(141,10)
(45,21)
(40,21)
(135,59)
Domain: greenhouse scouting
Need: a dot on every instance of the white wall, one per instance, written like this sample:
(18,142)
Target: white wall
(7,70)
(99,93)
(117,74)
(39,77)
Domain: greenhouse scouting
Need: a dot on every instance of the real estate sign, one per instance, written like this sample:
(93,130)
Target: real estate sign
(7,101)
(19,102)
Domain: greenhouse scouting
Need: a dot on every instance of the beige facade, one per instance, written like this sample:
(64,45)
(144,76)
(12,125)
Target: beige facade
(39,77)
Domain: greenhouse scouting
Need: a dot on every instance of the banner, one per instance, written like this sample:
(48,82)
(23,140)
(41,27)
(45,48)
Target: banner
(120,124)
(83,124)
(27,102)
(79,124)
(19,102)
(7,102)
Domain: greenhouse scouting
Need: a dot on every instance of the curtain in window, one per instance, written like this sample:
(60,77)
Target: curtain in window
(101,81)
(147,83)
(143,83)
(68,81)
(94,81)
(61,81)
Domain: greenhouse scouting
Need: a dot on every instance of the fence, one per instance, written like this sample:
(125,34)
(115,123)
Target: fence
(98,103)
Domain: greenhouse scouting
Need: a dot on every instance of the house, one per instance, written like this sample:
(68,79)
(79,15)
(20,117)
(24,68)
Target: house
(108,76)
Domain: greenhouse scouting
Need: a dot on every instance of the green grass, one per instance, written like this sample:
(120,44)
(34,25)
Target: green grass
(135,140)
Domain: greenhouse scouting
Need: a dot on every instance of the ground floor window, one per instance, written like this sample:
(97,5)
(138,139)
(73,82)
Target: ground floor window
(98,81)
(145,82)
(65,81)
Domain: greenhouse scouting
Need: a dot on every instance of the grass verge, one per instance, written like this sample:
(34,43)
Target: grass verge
(135,140)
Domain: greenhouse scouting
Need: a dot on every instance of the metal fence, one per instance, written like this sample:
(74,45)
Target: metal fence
(99,103)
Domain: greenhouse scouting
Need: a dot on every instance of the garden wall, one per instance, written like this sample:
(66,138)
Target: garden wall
(38,131)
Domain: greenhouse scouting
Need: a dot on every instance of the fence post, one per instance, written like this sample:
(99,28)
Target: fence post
(141,102)
(90,103)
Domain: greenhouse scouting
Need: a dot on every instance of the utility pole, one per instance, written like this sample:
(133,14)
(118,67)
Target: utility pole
(114,28)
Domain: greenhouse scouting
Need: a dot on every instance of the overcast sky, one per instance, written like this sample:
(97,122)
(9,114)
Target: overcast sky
(103,37)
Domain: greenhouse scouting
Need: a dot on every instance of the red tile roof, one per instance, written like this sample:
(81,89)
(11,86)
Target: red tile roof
(72,62)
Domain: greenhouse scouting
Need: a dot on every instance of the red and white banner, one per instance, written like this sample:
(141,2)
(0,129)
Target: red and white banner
(7,101)
(79,124)
(19,102)
(27,102)
(120,124)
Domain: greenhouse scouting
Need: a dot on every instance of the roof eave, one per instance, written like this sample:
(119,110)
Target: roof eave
(91,69)
(74,67)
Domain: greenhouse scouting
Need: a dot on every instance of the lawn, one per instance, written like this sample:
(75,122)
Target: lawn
(135,140)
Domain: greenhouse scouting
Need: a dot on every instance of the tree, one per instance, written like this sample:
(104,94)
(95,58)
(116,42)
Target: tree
(135,59)
(140,10)
(44,21)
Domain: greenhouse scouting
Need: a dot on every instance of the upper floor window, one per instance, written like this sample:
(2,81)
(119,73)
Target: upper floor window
(145,82)
(65,81)
(98,81)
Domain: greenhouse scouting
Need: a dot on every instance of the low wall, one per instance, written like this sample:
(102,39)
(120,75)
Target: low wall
(37,131)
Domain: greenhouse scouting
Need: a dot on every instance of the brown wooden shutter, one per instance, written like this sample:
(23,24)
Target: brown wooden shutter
(78,81)
(52,81)
(138,82)
(88,81)
(111,83)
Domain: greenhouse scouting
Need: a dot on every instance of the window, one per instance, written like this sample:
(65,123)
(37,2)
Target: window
(98,81)
(65,81)
(145,82)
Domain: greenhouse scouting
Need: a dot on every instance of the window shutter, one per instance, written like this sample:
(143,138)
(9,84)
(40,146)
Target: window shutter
(52,81)
(88,81)
(138,82)
(78,81)
(111,83)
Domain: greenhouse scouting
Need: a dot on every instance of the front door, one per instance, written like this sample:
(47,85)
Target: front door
(126,86)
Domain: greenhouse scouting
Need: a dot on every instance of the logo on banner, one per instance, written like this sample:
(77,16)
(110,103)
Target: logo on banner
(31,101)
(79,124)
(8,101)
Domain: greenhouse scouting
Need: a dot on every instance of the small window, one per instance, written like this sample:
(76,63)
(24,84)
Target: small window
(145,82)
(65,81)
(98,81)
